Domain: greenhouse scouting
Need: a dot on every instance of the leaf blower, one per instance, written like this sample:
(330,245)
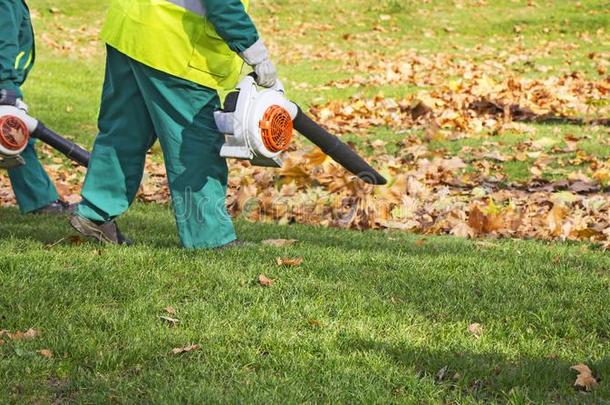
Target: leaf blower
(258,126)
(16,128)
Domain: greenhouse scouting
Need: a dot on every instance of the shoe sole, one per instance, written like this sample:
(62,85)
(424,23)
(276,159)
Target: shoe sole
(86,229)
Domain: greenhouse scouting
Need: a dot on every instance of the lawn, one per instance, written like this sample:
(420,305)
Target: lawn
(368,316)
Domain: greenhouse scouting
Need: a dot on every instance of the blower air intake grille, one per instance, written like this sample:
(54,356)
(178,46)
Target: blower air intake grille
(14,133)
(276,128)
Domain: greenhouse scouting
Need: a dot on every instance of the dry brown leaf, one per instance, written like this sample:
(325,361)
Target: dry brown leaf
(186,349)
(264,281)
(555,219)
(75,240)
(476,220)
(314,322)
(27,335)
(585,379)
(170,310)
(31,334)
(45,353)
(169,320)
(463,230)
(291,262)
(476,329)
(279,242)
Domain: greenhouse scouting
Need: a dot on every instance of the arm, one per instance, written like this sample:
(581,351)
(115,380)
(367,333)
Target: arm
(235,27)
(9,47)
(232,23)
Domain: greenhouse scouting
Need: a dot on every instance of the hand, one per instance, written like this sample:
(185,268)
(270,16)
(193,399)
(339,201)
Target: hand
(9,97)
(10,162)
(257,56)
(266,73)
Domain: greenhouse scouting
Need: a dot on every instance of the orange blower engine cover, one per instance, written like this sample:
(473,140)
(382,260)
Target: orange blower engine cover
(14,133)
(276,129)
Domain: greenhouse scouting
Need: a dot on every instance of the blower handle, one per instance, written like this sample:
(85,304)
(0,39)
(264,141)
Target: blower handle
(278,86)
(63,145)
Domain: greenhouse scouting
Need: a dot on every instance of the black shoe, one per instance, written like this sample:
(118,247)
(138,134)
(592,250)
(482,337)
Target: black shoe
(107,232)
(58,207)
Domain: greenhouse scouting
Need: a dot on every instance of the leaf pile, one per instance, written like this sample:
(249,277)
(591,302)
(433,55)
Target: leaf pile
(464,107)
(472,93)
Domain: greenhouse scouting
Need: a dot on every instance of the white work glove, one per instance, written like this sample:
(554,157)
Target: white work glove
(257,56)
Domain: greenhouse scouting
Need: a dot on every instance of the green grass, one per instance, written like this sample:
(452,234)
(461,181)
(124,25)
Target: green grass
(367,317)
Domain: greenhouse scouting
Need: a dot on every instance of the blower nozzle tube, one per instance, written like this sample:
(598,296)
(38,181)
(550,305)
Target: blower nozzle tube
(339,151)
(68,148)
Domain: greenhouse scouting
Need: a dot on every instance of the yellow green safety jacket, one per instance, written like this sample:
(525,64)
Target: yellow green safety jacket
(16,44)
(197,40)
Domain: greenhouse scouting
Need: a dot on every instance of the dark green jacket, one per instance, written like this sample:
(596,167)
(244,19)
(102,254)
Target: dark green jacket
(16,44)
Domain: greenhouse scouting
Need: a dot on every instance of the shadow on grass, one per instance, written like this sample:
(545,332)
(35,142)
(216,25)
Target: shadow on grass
(488,376)
(151,226)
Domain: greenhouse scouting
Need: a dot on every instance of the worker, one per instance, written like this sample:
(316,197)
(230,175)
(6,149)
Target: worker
(166,61)
(34,190)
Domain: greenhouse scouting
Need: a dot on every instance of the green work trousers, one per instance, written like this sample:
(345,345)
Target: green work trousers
(140,104)
(32,186)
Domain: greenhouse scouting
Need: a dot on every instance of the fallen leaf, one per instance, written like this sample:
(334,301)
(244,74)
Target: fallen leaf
(28,335)
(555,219)
(315,322)
(476,329)
(289,262)
(186,349)
(45,353)
(171,321)
(442,373)
(584,379)
(279,242)
(75,240)
(420,242)
(31,334)
(264,281)
(170,310)
(584,187)
(463,230)
(476,219)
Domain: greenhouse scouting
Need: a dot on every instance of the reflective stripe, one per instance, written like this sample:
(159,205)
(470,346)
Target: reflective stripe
(29,61)
(18,59)
(194,6)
